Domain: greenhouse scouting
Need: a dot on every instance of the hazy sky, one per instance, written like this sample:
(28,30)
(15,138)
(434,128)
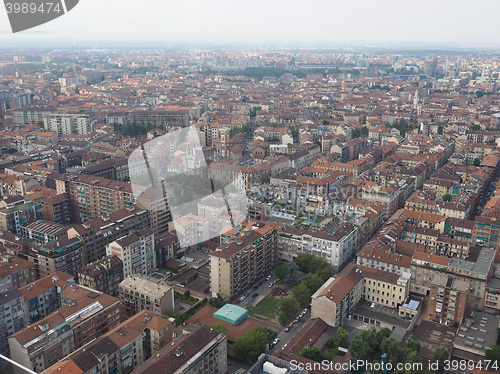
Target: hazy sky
(453,21)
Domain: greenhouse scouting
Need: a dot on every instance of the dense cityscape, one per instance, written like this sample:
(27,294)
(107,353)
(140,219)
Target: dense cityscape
(242,210)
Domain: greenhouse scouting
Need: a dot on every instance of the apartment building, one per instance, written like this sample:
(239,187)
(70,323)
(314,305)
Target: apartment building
(64,255)
(486,231)
(138,293)
(64,123)
(16,272)
(160,118)
(42,297)
(12,317)
(18,213)
(42,344)
(154,201)
(30,116)
(122,349)
(93,197)
(99,232)
(44,231)
(203,351)
(245,258)
(425,266)
(337,248)
(447,299)
(333,302)
(104,275)
(136,251)
(57,209)
(47,341)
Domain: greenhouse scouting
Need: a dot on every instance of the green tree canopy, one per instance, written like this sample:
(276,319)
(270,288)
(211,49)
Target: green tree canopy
(440,355)
(493,354)
(219,301)
(312,282)
(312,353)
(302,294)
(447,197)
(288,308)
(251,345)
(281,271)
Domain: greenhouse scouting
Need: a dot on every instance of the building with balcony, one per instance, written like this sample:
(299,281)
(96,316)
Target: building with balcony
(447,299)
(122,349)
(99,232)
(64,255)
(136,251)
(103,275)
(243,258)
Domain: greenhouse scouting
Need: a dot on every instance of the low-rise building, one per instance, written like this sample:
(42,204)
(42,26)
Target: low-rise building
(334,301)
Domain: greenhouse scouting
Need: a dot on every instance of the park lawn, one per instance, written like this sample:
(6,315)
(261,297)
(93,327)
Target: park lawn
(266,307)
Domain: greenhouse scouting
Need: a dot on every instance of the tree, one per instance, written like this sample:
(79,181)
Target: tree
(288,307)
(342,337)
(359,349)
(493,354)
(312,353)
(440,356)
(187,293)
(219,326)
(302,294)
(281,271)
(447,197)
(476,162)
(292,278)
(413,346)
(219,301)
(248,348)
(39,123)
(312,282)
(412,359)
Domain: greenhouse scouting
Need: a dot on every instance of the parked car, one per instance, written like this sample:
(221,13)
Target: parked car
(238,301)
(256,286)
(287,329)
(255,295)
(305,310)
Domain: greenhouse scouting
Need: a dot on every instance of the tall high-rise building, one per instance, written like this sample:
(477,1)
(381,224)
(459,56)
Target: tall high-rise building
(245,258)
(136,251)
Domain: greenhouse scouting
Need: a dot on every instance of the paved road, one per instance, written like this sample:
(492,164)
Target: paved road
(262,292)
(286,337)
